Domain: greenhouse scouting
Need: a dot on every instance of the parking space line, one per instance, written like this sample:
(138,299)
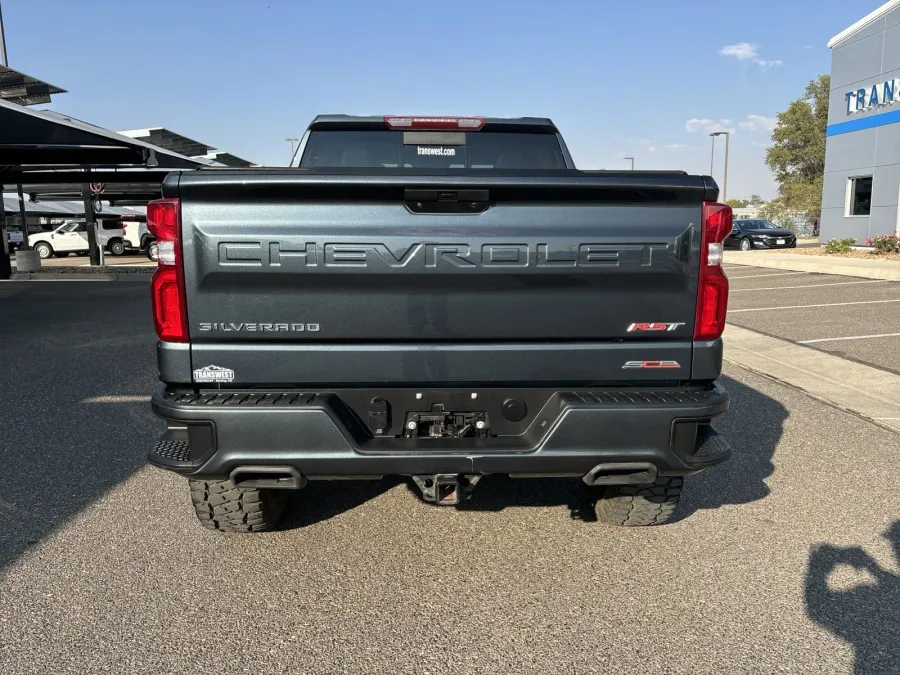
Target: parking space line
(825,304)
(783,288)
(117,399)
(849,337)
(760,276)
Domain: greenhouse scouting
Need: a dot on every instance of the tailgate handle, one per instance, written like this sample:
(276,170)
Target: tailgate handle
(446,201)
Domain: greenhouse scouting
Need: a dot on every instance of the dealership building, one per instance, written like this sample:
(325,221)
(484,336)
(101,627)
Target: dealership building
(861,190)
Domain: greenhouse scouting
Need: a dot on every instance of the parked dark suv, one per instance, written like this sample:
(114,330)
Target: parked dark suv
(755,233)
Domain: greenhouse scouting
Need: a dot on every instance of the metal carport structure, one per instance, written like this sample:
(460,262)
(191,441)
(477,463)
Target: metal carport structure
(126,187)
(59,209)
(35,145)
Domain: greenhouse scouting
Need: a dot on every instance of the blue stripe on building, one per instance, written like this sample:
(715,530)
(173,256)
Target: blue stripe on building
(865,123)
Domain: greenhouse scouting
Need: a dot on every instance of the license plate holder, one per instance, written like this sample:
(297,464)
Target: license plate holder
(780,242)
(440,423)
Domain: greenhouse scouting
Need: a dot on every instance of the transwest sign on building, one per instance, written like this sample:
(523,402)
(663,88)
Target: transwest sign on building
(882,94)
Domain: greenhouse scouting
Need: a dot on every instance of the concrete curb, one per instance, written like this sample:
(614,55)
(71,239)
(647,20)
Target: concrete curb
(143,277)
(860,389)
(849,267)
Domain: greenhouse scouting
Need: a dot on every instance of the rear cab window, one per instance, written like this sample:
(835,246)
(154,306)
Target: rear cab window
(390,148)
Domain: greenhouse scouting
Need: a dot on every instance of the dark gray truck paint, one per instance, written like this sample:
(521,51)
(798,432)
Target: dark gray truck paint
(532,289)
(328,290)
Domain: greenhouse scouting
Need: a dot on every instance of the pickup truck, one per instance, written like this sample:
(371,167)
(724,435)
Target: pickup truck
(138,238)
(15,239)
(439,299)
(72,237)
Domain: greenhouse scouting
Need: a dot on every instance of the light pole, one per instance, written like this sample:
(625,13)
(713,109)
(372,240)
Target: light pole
(2,41)
(727,135)
(4,62)
(632,162)
(292,140)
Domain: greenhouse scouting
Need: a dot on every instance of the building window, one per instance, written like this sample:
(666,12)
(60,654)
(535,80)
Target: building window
(859,196)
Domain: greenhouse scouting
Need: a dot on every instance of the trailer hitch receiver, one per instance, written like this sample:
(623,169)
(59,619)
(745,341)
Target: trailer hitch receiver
(446,489)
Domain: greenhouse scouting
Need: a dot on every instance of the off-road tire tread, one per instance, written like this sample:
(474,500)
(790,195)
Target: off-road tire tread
(640,505)
(223,507)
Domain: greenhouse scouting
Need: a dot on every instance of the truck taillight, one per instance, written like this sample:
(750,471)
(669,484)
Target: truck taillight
(444,123)
(712,288)
(167,286)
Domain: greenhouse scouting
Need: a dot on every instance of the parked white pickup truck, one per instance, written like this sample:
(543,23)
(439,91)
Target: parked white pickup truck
(139,238)
(72,237)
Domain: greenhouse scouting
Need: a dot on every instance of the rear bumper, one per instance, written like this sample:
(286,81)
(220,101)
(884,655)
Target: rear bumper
(210,435)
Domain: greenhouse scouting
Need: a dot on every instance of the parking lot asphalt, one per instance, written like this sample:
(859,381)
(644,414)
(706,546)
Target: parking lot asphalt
(854,318)
(786,559)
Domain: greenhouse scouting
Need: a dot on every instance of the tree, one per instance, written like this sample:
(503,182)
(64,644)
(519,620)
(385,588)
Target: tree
(797,156)
(755,200)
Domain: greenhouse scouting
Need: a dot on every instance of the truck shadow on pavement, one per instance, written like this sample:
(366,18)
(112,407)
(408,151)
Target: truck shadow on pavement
(753,426)
(321,500)
(863,611)
(78,362)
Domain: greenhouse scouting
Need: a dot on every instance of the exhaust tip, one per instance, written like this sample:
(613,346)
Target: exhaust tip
(268,477)
(630,473)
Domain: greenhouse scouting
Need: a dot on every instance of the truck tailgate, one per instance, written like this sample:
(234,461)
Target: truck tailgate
(359,279)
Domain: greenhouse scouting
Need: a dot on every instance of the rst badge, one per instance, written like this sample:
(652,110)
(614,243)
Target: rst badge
(656,327)
(650,365)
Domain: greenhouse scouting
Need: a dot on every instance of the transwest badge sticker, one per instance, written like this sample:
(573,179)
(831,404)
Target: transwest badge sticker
(436,152)
(213,374)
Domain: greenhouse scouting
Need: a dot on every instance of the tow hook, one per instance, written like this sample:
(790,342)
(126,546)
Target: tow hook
(447,489)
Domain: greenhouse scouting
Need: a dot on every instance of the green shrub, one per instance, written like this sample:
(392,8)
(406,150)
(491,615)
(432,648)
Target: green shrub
(839,245)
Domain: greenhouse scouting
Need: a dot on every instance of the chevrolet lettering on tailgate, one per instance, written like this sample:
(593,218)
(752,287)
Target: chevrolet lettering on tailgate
(302,255)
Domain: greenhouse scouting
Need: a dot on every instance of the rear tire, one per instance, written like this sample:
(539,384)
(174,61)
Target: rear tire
(222,506)
(117,247)
(44,250)
(153,251)
(640,505)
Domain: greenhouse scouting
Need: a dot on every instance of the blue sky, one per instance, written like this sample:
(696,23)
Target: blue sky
(644,79)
